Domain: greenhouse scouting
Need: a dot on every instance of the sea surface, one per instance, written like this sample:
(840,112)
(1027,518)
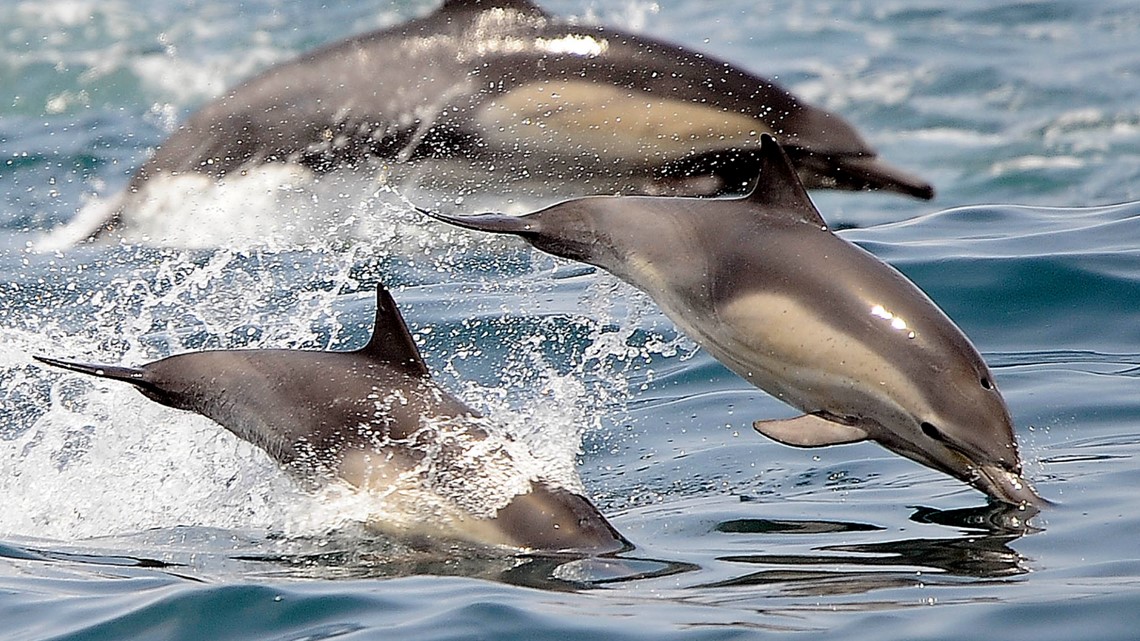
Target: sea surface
(123,520)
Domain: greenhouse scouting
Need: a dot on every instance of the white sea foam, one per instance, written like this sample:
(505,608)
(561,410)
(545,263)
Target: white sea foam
(630,15)
(104,460)
(64,13)
(1092,130)
(277,205)
(944,136)
(837,87)
(284,205)
(187,81)
(1034,163)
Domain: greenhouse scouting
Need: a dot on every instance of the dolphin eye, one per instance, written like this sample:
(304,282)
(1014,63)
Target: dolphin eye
(931,431)
(986,384)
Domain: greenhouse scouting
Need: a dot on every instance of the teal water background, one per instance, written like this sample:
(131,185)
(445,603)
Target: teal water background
(123,520)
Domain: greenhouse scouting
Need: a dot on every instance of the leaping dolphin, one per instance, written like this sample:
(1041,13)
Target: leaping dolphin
(375,419)
(763,285)
(512,91)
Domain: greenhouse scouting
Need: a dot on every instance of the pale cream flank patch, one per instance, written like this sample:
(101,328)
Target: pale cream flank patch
(574,118)
(450,477)
(401,503)
(649,278)
(779,343)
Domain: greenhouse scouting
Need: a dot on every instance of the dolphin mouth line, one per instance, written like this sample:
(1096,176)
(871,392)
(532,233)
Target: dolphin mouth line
(1006,486)
(995,481)
(998,482)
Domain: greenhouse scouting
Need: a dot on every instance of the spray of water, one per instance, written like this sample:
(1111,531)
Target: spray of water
(85,458)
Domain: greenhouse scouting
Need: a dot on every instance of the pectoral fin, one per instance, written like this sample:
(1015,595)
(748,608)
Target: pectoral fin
(809,430)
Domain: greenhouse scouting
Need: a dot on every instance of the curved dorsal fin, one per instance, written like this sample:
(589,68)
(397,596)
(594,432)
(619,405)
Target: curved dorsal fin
(778,186)
(391,342)
(522,6)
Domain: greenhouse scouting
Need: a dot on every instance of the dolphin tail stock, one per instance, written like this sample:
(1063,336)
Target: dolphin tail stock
(495,223)
(131,375)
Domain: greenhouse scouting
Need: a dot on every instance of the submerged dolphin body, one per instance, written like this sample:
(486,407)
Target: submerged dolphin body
(763,285)
(375,419)
(512,91)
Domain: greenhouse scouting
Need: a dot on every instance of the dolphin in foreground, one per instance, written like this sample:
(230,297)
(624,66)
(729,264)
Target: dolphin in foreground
(510,90)
(373,418)
(821,324)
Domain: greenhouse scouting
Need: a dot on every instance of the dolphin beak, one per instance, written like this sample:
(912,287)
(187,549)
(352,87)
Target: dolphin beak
(1006,486)
(997,481)
(871,173)
(496,223)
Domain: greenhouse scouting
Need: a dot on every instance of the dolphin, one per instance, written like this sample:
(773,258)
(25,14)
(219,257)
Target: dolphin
(821,324)
(374,419)
(507,89)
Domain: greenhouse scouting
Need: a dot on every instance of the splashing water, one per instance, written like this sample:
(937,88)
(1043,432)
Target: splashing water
(88,458)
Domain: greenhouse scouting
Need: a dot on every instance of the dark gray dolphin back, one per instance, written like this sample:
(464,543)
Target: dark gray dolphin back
(391,342)
(300,406)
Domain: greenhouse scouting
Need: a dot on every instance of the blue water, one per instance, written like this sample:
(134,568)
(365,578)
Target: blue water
(120,519)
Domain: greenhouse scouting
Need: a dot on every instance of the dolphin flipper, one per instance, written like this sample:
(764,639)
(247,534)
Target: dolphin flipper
(809,430)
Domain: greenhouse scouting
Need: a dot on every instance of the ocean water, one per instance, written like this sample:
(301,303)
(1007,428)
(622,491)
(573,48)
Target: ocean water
(120,519)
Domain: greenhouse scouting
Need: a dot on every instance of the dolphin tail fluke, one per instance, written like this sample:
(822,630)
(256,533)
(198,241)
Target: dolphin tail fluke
(496,223)
(129,374)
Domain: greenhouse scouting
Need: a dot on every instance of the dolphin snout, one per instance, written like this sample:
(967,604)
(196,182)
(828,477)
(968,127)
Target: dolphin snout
(996,472)
(1000,478)
(1008,486)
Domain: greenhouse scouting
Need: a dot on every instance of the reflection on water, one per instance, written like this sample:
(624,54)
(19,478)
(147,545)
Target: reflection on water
(775,526)
(996,518)
(543,571)
(982,552)
(210,554)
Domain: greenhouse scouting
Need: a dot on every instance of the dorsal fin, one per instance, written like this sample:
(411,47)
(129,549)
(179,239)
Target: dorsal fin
(522,6)
(778,186)
(391,341)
